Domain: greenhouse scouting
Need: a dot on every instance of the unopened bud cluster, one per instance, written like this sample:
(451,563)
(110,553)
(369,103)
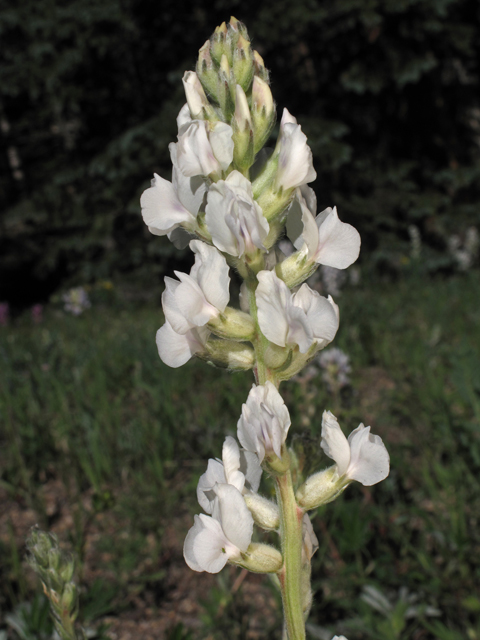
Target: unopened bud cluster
(230,200)
(56,571)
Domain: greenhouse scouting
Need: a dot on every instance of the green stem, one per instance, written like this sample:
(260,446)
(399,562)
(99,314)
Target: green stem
(291,574)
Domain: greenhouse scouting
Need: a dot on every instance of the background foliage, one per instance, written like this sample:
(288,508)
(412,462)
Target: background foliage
(387,91)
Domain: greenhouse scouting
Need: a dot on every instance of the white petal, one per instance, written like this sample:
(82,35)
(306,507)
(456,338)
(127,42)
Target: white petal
(339,242)
(234,219)
(184,118)
(235,517)
(231,463)
(334,442)
(194,152)
(295,166)
(222,143)
(176,349)
(272,296)
(215,474)
(206,547)
(162,210)
(370,462)
(191,301)
(173,315)
(264,423)
(211,272)
(190,191)
(321,314)
(251,468)
(301,227)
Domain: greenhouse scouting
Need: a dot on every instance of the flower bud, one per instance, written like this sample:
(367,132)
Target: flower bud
(199,106)
(233,325)
(242,65)
(226,89)
(235,356)
(321,488)
(218,43)
(206,71)
(261,558)
(263,112)
(265,512)
(69,599)
(243,154)
(259,66)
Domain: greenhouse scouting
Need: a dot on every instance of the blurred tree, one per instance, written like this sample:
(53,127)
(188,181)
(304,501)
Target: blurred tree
(386,90)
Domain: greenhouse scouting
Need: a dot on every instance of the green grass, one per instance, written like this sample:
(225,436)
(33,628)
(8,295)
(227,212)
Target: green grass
(87,402)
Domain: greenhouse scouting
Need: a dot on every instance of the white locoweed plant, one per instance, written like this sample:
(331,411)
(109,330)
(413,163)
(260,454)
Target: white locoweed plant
(231,200)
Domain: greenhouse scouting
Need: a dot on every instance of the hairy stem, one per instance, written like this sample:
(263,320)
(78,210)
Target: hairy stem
(291,574)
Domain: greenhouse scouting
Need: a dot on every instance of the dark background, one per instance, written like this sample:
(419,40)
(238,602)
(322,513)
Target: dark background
(387,92)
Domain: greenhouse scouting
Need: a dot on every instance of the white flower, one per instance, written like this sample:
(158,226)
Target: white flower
(302,318)
(363,457)
(200,296)
(175,349)
(264,423)
(234,219)
(213,541)
(204,148)
(239,468)
(295,166)
(325,239)
(168,205)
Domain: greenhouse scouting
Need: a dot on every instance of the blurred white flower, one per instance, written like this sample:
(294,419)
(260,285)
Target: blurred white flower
(76,301)
(336,367)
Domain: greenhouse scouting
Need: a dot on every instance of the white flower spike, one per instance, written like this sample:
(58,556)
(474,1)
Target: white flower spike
(324,238)
(264,423)
(302,318)
(214,540)
(363,457)
(234,219)
(238,468)
(197,298)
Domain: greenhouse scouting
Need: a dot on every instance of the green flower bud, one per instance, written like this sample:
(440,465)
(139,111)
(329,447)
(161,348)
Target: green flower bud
(218,43)
(235,356)
(207,71)
(243,155)
(263,112)
(261,558)
(321,488)
(265,512)
(233,325)
(226,89)
(259,66)
(296,269)
(69,600)
(242,65)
